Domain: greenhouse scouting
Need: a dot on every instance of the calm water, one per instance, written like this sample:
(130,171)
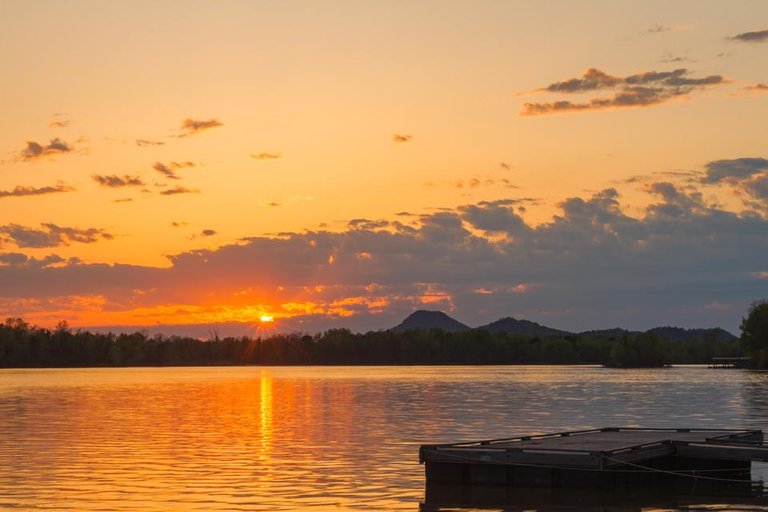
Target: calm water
(334,438)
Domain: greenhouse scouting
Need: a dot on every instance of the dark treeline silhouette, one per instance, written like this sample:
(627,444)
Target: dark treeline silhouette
(24,345)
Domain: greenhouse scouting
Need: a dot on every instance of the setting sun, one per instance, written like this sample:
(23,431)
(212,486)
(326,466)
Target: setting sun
(265,319)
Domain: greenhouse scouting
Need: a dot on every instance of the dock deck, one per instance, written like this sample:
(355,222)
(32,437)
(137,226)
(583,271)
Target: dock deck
(597,455)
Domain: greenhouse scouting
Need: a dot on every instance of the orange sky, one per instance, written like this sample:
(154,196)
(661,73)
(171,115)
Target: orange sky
(173,163)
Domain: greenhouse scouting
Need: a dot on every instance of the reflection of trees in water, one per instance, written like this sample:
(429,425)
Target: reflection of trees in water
(756,398)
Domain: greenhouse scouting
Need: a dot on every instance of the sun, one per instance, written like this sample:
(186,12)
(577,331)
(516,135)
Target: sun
(265,319)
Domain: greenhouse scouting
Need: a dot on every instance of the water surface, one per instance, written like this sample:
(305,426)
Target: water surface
(317,438)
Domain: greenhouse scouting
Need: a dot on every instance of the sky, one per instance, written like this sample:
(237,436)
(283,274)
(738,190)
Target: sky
(196,166)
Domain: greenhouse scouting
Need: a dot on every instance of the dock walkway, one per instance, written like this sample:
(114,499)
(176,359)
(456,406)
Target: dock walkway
(598,455)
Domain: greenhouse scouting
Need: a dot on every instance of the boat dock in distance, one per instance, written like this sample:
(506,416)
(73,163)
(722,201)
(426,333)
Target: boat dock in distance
(730,362)
(605,456)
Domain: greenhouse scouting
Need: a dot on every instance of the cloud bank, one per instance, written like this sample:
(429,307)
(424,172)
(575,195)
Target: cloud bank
(683,261)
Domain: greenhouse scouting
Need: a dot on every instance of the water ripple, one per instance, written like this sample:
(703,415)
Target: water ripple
(254,439)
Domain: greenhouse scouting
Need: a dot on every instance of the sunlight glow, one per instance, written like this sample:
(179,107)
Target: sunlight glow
(265,319)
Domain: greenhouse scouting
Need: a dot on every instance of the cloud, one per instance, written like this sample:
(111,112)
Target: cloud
(474,182)
(178,190)
(401,138)
(169,169)
(638,90)
(207,232)
(123,200)
(758,88)
(56,123)
(736,169)
(591,80)
(266,156)
(670,58)
(17,259)
(194,126)
(658,29)
(592,265)
(51,235)
(143,143)
(758,36)
(21,191)
(748,176)
(35,150)
(114,181)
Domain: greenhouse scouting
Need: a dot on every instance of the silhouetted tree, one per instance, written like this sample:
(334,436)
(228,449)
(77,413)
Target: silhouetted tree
(754,333)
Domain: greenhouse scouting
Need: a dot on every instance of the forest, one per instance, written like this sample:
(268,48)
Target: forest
(24,346)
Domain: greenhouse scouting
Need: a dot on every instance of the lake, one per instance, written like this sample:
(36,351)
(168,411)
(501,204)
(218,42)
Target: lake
(324,438)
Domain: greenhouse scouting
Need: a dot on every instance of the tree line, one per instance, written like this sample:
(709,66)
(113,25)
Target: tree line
(25,345)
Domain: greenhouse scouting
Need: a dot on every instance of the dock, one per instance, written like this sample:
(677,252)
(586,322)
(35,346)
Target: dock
(730,362)
(597,457)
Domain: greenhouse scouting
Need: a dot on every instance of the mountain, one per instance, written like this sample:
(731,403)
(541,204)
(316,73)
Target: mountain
(426,320)
(614,333)
(680,334)
(524,327)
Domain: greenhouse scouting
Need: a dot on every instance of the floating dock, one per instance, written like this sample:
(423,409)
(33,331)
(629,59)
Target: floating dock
(606,456)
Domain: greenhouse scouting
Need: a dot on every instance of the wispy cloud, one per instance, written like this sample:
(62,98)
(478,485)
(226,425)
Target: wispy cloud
(178,190)
(35,150)
(266,156)
(758,36)
(59,123)
(169,169)
(671,58)
(638,90)
(401,138)
(473,182)
(21,191)
(194,126)
(114,181)
(207,232)
(51,235)
(658,29)
(147,143)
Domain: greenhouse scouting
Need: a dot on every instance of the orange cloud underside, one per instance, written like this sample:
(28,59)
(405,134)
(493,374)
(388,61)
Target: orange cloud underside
(93,310)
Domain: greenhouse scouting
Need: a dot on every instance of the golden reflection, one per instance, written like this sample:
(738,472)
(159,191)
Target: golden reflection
(265,415)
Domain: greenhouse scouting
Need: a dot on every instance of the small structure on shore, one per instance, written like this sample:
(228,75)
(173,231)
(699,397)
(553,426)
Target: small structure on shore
(730,362)
(606,456)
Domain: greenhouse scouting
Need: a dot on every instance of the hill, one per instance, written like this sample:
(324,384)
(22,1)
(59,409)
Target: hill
(680,334)
(524,327)
(426,320)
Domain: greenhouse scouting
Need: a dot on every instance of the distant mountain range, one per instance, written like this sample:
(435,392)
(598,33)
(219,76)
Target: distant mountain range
(425,320)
